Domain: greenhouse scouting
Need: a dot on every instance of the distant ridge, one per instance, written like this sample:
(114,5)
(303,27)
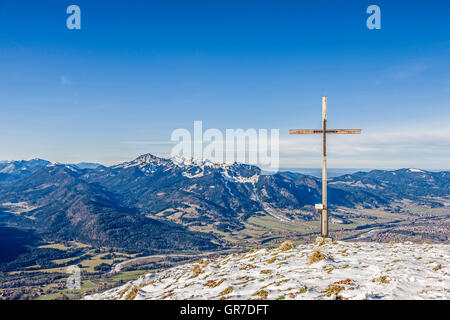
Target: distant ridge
(87,165)
(332,172)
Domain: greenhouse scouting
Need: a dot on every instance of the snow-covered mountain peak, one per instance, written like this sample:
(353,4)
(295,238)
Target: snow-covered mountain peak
(189,162)
(186,162)
(415,170)
(194,168)
(21,165)
(148,157)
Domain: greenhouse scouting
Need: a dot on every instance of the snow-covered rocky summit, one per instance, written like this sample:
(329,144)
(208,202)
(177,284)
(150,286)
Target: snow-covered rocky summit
(21,165)
(194,168)
(326,270)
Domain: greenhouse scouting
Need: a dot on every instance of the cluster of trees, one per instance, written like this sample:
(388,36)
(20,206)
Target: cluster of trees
(42,257)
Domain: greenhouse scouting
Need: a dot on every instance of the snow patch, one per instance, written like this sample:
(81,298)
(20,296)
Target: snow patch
(352,270)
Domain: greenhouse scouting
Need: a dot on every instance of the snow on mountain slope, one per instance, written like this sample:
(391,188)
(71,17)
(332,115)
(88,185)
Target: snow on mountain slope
(14,167)
(342,270)
(193,168)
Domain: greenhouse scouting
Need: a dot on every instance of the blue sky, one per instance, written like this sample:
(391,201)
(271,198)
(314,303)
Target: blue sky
(137,70)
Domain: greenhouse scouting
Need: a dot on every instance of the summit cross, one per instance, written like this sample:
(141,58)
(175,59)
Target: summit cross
(322,208)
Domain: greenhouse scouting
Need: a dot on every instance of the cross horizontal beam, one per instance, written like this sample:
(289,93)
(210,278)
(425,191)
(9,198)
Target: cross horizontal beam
(319,131)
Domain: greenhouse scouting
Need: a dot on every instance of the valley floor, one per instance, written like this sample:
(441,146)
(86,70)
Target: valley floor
(332,270)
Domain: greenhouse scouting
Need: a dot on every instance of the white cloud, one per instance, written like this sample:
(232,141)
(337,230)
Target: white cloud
(426,148)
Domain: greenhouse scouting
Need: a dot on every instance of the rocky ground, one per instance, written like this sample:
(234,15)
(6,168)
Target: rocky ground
(323,270)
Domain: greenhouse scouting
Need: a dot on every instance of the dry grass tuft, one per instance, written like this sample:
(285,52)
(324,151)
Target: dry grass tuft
(179,277)
(281,282)
(329,269)
(382,279)
(262,294)
(132,293)
(226,291)
(169,294)
(213,283)
(320,241)
(247,267)
(333,289)
(124,291)
(285,246)
(316,256)
(346,281)
(272,260)
(197,270)
(438,267)
(302,290)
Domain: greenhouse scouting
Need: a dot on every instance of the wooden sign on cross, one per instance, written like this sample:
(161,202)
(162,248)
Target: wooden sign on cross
(323,209)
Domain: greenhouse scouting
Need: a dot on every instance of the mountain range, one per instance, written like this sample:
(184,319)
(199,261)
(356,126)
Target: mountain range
(153,202)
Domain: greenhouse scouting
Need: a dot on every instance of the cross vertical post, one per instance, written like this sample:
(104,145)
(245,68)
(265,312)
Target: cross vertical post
(324,215)
(323,208)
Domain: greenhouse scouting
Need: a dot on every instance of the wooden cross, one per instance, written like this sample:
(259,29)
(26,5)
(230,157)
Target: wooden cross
(323,209)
